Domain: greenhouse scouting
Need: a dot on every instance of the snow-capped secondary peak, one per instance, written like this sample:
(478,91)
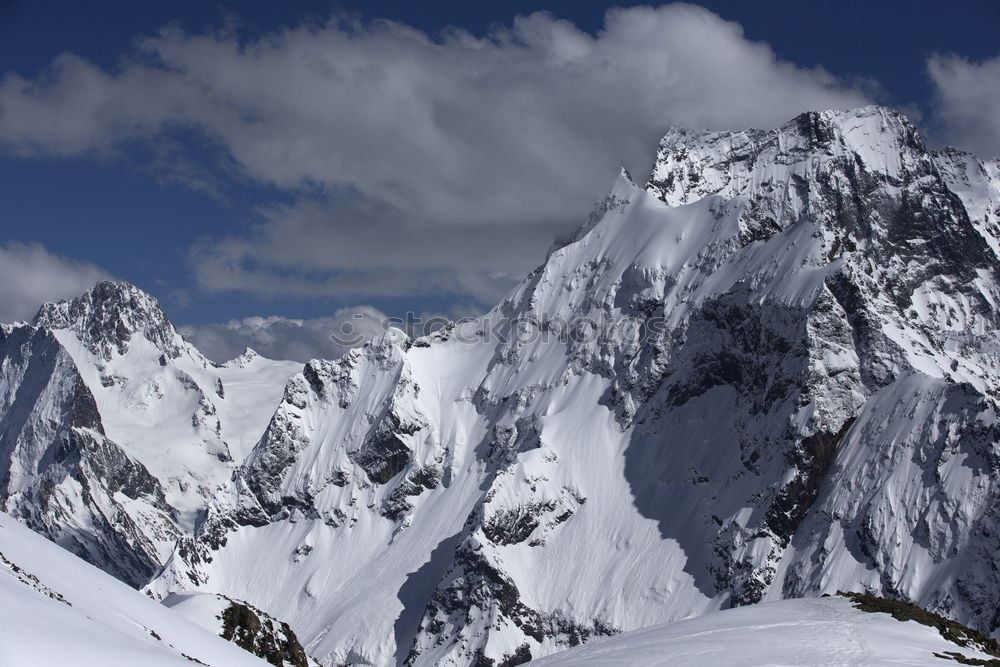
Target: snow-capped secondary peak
(187,419)
(244,359)
(122,426)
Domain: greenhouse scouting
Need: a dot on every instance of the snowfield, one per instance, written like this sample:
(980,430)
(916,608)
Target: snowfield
(823,631)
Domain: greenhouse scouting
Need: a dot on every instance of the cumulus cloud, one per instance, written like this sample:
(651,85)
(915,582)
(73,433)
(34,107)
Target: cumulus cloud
(966,102)
(285,338)
(31,275)
(415,163)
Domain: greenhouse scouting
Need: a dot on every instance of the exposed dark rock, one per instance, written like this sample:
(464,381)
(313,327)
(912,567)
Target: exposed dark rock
(383,455)
(85,413)
(413,484)
(516,525)
(952,631)
(811,459)
(256,632)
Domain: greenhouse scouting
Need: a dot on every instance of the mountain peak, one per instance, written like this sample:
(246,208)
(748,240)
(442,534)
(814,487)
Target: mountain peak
(243,359)
(857,128)
(106,316)
(802,170)
(692,164)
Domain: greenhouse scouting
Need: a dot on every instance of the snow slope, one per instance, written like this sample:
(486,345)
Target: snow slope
(823,631)
(247,626)
(792,390)
(57,610)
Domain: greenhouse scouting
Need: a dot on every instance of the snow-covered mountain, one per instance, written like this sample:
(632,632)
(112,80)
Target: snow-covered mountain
(770,372)
(115,431)
(57,610)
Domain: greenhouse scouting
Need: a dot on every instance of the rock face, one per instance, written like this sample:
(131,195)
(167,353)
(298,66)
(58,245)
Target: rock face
(770,372)
(60,473)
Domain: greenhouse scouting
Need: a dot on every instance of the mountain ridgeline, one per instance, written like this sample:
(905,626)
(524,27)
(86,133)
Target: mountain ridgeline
(771,372)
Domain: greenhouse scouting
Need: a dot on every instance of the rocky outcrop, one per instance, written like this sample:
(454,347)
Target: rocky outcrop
(256,632)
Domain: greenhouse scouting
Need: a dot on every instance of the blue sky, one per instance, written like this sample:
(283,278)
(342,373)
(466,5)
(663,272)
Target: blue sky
(302,159)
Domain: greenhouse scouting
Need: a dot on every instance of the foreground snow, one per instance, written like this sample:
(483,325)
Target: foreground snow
(823,631)
(56,609)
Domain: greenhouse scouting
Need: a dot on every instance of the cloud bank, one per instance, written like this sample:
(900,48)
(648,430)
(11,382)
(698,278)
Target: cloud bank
(31,275)
(412,163)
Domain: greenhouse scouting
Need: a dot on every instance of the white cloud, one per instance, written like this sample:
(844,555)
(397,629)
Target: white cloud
(284,338)
(416,164)
(367,253)
(31,275)
(966,103)
(278,337)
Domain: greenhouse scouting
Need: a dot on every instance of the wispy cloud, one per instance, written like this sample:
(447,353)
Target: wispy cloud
(967,102)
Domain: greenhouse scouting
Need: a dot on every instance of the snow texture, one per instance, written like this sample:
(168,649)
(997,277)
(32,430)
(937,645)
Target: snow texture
(57,610)
(825,631)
